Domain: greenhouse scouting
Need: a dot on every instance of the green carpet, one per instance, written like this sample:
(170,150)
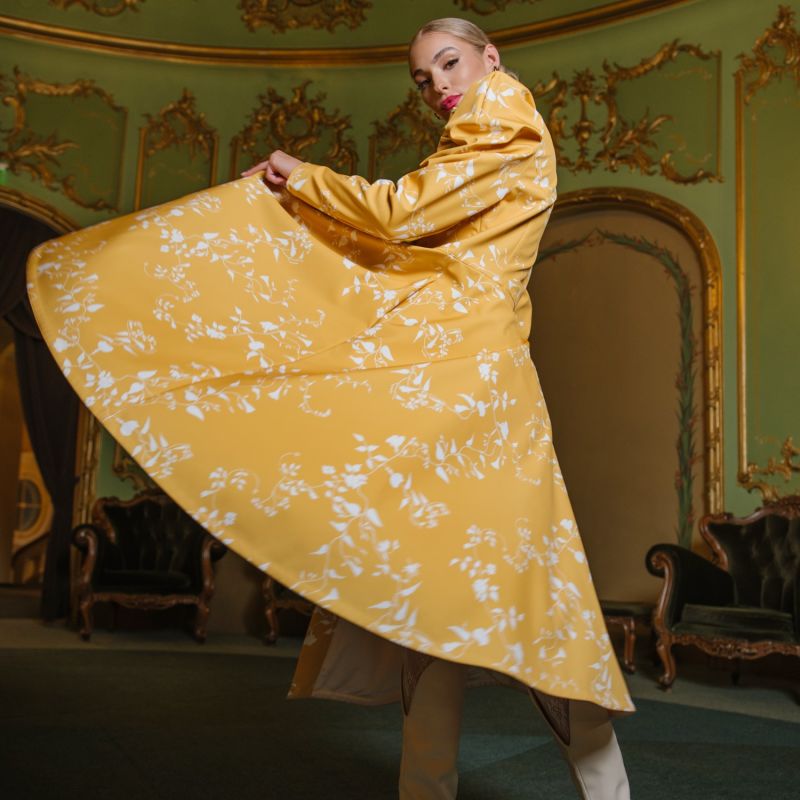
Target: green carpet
(117,725)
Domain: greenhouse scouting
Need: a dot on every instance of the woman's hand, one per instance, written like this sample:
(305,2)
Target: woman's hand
(277,168)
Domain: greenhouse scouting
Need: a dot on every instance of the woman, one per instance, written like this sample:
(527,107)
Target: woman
(336,381)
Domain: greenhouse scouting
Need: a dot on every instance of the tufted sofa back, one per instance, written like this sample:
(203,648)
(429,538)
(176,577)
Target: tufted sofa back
(151,533)
(762,554)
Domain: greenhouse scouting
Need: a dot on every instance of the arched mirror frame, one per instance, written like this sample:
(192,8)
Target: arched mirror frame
(699,237)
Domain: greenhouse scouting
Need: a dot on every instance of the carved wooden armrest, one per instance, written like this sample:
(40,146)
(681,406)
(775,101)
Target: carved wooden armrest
(688,578)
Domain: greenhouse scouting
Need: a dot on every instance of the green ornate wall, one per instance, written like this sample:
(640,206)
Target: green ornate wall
(110,105)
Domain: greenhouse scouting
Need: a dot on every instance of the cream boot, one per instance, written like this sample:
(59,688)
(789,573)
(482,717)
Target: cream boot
(589,745)
(431,729)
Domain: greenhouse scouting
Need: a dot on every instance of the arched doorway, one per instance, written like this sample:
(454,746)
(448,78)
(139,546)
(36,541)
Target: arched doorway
(626,339)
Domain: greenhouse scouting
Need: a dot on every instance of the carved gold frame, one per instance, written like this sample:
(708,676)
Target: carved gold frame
(782,33)
(386,137)
(606,14)
(273,113)
(87,445)
(705,249)
(24,85)
(199,134)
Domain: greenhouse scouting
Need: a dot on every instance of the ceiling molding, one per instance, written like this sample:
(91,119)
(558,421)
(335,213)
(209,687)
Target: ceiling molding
(312,57)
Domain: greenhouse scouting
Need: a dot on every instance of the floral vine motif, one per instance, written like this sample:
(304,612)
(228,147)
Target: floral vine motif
(107,9)
(485,7)
(687,367)
(622,143)
(274,125)
(35,154)
(407,128)
(782,35)
(283,15)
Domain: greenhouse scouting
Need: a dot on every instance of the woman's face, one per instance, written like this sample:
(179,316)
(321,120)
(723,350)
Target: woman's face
(444,67)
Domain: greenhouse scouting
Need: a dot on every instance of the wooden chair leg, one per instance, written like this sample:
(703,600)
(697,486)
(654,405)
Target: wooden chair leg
(201,622)
(270,611)
(85,606)
(664,649)
(629,628)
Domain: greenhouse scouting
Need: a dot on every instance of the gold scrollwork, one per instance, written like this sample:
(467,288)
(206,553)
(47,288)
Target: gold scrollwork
(108,9)
(486,7)
(291,14)
(553,95)
(782,35)
(776,54)
(787,467)
(408,128)
(622,143)
(126,469)
(34,154)
(177,124)
(296,125)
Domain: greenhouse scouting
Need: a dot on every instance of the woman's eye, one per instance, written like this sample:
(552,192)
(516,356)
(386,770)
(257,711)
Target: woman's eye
(451,63)
(422,85)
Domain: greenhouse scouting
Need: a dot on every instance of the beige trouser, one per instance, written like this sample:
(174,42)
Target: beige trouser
(431,731)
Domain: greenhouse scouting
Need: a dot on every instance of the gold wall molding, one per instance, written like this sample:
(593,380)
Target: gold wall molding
(177,125)
(408,127)
(785,468)
(775,56)
(782,35)
(257,57)
(695,232)
(27,152)
(486,7)
(38,209)
(293,14)
(619,142)
(126,469)
(296,125)
(107,9)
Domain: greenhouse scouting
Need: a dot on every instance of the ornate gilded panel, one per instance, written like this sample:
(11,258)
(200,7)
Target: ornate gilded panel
(126,469)
(105,8)
(768,243)
(67,136)
(605,121)
(290,14)
(177,153)
(401,141)
(299,125)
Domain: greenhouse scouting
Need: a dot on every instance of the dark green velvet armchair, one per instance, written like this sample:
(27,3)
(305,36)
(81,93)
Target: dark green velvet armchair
(745,603)
(145,553)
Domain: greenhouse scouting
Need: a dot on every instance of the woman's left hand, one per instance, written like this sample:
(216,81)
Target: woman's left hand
(277,168)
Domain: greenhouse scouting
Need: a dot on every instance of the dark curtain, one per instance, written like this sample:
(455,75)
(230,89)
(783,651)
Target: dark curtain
(50,407)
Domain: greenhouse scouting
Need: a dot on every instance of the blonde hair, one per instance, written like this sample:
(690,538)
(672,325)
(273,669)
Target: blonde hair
(462,29)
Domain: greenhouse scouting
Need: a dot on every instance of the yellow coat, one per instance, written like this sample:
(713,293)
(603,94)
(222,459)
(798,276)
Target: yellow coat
(337,383)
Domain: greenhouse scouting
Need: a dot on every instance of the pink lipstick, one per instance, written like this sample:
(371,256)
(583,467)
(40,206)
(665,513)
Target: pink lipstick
(450,102)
